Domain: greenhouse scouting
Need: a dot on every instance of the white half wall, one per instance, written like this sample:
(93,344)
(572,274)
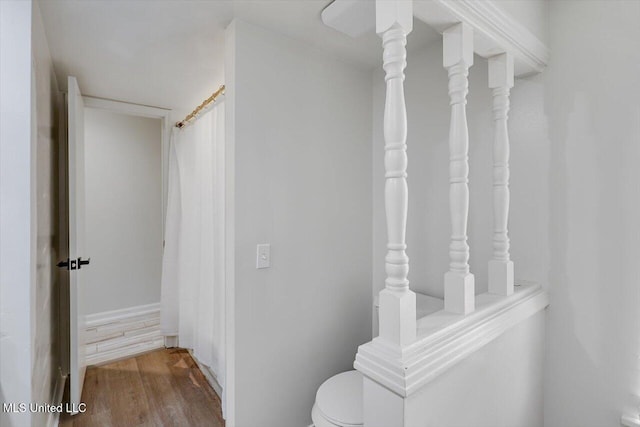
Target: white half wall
(303,184)
(500,385)
(123,210)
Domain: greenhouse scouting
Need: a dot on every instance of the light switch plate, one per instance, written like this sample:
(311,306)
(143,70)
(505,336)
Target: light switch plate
(263,255)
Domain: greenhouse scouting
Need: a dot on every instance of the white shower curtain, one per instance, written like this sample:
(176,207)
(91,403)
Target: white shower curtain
(192,301)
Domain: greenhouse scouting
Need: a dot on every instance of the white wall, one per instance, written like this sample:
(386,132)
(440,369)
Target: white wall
(500,385)
(428,229)
(593,106)
(29,285)
(123,210)
(17,209)
(303,184)
(46,356)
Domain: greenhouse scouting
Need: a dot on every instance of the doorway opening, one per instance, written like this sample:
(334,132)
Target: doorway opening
(122,194)
(124,215)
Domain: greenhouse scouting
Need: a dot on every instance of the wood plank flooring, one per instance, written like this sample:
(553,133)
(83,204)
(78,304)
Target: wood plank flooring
(163,388)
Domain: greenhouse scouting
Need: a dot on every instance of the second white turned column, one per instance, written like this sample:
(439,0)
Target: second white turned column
(459,284)
(397,316)
(500,266)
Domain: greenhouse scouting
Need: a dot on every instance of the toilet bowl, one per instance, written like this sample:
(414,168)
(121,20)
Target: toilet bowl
(339,401)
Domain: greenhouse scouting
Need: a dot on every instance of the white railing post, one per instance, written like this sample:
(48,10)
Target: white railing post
(459,286)
(500,266)
(394,20)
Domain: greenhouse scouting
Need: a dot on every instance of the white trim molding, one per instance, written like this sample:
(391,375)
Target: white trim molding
(444,339)
(495,31)
(126,108)
(117,334)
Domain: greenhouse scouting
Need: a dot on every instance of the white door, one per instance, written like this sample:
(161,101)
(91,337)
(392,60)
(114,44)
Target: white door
(77,262)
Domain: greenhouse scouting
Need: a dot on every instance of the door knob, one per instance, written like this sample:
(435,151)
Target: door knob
(82,262)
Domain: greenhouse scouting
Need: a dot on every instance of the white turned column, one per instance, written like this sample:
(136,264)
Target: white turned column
(459,286)
(500,266)
(394,20)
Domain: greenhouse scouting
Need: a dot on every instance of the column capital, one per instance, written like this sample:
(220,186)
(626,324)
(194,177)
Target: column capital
(394,14)
(501,71)
(457,45)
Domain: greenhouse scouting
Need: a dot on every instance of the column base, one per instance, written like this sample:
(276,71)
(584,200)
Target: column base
(459,293)
(501,277)
(397,316)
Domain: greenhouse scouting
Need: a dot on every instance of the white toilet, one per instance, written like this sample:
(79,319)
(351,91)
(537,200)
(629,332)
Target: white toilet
(339,401)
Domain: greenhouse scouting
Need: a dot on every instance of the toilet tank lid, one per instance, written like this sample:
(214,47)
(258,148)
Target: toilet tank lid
(339,399)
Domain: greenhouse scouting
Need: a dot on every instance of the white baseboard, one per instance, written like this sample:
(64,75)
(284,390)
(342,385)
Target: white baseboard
(54,417)
(104,317)
(113,335)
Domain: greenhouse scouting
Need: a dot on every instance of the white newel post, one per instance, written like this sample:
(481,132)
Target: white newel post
(394,20)
(459,287)
(500,266)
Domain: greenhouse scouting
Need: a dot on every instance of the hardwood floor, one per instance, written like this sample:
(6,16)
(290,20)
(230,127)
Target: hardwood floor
(162,388)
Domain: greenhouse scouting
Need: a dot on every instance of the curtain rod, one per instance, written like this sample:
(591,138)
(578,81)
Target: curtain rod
(199,108)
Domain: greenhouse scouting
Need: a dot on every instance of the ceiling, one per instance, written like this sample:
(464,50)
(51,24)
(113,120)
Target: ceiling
(170,53)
